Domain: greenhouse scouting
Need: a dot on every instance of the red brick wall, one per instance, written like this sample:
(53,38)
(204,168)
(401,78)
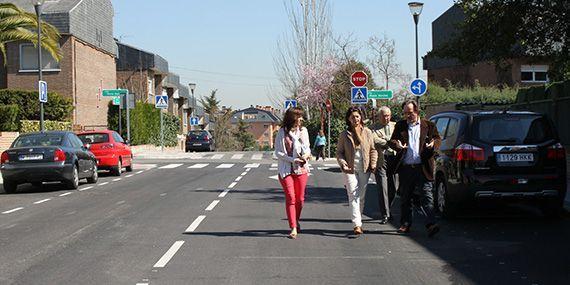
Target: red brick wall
(135,82)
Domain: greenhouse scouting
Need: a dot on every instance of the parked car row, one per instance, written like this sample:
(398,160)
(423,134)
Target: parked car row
(63,156)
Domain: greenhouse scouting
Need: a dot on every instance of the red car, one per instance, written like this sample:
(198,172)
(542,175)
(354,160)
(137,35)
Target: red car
(110,150)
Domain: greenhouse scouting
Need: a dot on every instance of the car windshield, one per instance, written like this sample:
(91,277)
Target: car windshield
(512,129)
(38,140)
(94,138)
(197,135)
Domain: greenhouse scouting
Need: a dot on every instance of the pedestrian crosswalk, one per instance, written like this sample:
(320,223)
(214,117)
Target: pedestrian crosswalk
(271,167)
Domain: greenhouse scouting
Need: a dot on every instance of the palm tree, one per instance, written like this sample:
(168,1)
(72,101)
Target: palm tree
(19,25)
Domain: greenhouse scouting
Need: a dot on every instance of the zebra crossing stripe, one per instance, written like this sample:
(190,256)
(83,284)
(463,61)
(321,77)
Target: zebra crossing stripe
(237,156)
(198,165)
(170,166)
(225,165)
(257,156)
(217,156)
(251,165)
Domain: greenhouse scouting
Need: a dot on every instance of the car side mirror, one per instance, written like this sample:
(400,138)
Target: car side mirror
(127,142)
(87,146)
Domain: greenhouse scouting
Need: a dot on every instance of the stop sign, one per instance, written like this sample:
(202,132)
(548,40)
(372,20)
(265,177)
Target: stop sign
(359,78)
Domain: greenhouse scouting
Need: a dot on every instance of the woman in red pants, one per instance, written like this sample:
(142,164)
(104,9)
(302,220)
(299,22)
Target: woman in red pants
(292,148)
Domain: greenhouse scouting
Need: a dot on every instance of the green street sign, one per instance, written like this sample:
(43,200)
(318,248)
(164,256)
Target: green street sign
(114,92)
(380,94)
(116,101)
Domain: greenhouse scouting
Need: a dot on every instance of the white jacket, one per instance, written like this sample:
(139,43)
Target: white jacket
(301,145)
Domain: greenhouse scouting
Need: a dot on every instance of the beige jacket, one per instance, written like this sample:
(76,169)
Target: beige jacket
(382,135)
(345,150)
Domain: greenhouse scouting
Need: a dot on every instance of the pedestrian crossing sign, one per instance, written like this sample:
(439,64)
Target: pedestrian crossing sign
(161,101)
(292,103)
(359,95)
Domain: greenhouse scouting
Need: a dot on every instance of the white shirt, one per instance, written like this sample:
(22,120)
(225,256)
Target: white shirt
(301,144)
(413,152)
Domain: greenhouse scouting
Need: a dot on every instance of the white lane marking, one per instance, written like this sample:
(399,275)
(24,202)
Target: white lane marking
(139,172)
(243,173)
(276,177)
(217,156)
(120,202)
(195,224)
(273,165)
(272,169)
(143,166)
(212,205)
(117,179)
(257,156)
(223,194)
(129,176)
(13,210)
(232,185)
(141,284)
(163,194)
(251,165)
(86,188)
(199,165)
(65,194)
(239,178)
(237,156)
(331,165)
(42,201)
(247,169)
(169,254)
(225,165)
(102,184)
(196,156)
(170,166)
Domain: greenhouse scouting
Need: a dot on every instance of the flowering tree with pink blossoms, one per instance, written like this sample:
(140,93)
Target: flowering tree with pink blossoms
(316,82)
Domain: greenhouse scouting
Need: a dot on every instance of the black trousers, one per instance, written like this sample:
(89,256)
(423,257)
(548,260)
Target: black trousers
(321,152)
(386,181)
(412,179)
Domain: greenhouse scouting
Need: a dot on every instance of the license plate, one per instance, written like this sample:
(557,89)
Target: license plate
(31,157)
(515,157)
(197,144)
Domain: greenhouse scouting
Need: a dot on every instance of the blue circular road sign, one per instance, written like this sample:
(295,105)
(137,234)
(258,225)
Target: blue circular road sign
(418,87)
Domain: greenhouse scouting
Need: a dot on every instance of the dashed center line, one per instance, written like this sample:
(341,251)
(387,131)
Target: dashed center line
(102,184)
(169,254)
(117,179)
(139,172)
(129,176)
(195,224)
(163,194)
(65,194)
(41,201)
(86,188)
(243,173)
(238,178)
(232,185)
(212,205)
(223,194)
(13,210)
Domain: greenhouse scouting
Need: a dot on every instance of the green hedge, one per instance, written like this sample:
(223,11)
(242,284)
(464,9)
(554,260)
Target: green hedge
(9,118)
(471,95)
(28,126)
(145,124)
(57,108)
(544,92)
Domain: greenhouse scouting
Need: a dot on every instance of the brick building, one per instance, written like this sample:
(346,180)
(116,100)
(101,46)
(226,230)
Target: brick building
(262,123)
(88,63)
(522,71)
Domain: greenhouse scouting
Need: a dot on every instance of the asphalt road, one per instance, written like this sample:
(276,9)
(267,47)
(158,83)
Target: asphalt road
(220,223)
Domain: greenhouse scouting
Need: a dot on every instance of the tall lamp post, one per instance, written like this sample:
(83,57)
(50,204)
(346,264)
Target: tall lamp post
(38,7)
(192,87)
(416,10)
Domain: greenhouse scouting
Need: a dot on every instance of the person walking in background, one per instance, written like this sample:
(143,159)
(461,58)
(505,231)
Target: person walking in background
(320,143)
(357,157)
(416,141)
(292,148)
(386,179)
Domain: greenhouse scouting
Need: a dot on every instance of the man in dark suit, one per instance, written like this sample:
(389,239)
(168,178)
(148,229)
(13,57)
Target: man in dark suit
(416,141)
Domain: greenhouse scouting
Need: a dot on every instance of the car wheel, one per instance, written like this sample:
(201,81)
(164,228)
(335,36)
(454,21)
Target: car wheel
(443,205)
(130,167)
(118,169)
(10,187)
(74,182)
(94,175)
(186,150)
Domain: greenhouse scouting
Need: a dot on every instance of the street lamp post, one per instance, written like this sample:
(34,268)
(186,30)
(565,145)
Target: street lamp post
(38,7)
(192,87)
(416,10)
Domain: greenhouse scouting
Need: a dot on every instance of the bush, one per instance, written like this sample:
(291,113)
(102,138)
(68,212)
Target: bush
(34,126)
(57,108)
(9,118)
(471,95)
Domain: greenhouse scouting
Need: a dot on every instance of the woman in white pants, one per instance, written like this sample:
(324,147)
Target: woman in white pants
(357,158)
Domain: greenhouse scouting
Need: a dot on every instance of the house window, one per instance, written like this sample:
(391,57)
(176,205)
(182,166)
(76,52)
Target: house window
(534,73)
(184,118)
(150,94)
(29,59)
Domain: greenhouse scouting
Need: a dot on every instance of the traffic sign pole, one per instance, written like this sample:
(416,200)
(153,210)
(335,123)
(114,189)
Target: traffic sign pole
(161,131)
(128,119)
(120,118)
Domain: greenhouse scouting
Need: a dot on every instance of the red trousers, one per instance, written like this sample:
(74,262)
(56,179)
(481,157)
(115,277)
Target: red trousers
(294,187)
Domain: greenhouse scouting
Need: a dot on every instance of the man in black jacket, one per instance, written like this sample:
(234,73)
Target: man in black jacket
(416,141)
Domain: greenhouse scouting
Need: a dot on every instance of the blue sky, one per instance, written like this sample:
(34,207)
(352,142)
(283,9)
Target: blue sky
(201,39)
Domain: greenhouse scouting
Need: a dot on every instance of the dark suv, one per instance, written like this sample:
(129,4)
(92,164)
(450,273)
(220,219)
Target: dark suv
(199,141)
(499,155)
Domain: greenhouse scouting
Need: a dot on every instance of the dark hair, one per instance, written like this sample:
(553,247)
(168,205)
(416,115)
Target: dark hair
(290,117)
(349,112)
(414,103)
